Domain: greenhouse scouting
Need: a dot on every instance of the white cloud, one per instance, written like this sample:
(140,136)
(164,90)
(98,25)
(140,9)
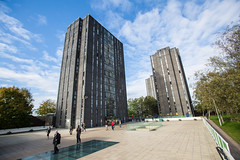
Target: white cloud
(60,35)
(59,53)
(193,32)
(191,10)
(19,59)
(12,31)
(15,59)
(16,27)
(41,80)
(32,78)
(143,31)
(49,58)
(114,20)
(40,98)
(56,59)
(7,48)
(42,20)
(123,5)
(8,39)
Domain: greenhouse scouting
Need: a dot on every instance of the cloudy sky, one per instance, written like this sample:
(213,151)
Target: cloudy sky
(32,37)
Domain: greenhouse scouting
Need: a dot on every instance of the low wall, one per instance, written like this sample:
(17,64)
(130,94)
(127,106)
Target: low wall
(173,119)
(20,130)
(150,126)
(221,142)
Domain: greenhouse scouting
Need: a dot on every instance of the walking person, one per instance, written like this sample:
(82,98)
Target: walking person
(84,127)
(112,125)
(78,130)
(206,115)
(106,125)
(48,131)
(120,123)
(56,141)
(70,130)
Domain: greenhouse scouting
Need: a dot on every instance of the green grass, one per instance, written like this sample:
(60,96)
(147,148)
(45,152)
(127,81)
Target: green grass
(232,128)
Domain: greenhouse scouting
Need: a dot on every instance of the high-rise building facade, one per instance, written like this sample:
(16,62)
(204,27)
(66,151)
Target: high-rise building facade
(170,83)
(92,84)
(150,86)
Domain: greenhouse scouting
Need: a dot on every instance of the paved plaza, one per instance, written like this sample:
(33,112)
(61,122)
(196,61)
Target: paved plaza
(183,140)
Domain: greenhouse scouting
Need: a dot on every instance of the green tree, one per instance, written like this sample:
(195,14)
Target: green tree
(142,107)
(220,84)
(15,107)
(151,106)
(133,107)
(48,106)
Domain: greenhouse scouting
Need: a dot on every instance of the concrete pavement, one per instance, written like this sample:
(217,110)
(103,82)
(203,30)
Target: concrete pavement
(183,140)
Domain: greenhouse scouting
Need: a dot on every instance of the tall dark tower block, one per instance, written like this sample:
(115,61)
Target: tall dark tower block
(92,84)
(170,83)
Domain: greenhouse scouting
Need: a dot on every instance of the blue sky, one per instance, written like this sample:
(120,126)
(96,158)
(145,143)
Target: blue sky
(32,37)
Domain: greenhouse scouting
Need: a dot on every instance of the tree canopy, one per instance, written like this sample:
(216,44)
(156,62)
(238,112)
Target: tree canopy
(142,107)
(48,106)
(221,83)
(15,107)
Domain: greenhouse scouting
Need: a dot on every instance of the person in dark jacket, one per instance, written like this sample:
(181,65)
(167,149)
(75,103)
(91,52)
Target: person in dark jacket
(70,130)
(56,141)
(48,131)
(78,130)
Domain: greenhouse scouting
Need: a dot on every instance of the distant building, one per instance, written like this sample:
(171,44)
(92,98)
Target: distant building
(92,84)
(171,85)
(150,86)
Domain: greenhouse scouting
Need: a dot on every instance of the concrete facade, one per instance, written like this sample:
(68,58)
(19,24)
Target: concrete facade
(150,86)
(92,84)
(171,86)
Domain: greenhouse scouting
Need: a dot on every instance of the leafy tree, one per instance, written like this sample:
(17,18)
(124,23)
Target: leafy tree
(142,107)
(229,44)
(151,106)
(48,106)
(15,107)
(133,107)
(221,83)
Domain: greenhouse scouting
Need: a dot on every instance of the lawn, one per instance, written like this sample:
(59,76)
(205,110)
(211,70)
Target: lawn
(232,128)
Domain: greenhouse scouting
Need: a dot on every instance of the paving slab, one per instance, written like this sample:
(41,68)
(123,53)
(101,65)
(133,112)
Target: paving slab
(183,140)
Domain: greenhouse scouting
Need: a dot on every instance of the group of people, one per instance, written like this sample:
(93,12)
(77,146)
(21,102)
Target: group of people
(113,124)
(57,136)
(56,139)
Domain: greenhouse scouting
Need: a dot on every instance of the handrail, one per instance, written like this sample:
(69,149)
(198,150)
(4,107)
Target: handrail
(218,139)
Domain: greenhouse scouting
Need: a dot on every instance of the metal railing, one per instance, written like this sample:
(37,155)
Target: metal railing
(218,139)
